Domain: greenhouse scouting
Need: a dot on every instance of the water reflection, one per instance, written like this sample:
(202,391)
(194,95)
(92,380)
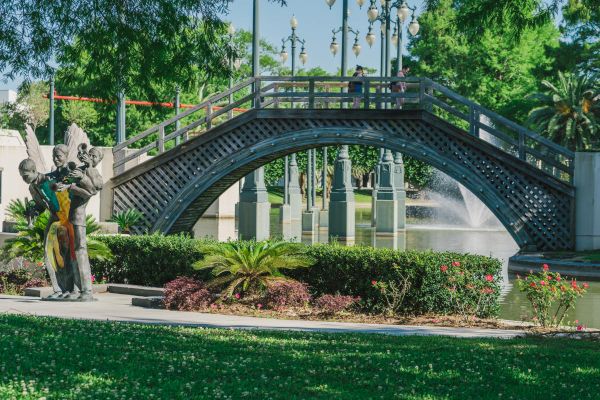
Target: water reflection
(422,235)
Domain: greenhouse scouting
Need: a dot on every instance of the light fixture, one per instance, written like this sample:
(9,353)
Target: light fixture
(303,56)
(403,11)
(294,22)
(230,30)
(356,47)
(360,3)
(283,56)
(413,27)
(334,46)
(330,3)
(395,36)
(373,12)
(370,38)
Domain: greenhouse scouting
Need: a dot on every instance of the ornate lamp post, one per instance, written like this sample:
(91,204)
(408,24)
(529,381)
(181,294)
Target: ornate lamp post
(293,39)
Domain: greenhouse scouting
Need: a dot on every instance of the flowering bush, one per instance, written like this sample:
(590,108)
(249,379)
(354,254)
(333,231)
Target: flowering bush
(393,293)
(550,295)
(472,293)
(15,281)
(286,293)
(186,294)
(332,304)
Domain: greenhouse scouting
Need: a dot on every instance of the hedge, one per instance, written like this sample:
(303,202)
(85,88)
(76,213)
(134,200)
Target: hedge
(156,259)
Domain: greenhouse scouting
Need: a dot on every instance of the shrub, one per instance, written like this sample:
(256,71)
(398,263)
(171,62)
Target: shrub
(551,297)
(286,293)
(246,266)
(351,271)
(35,282)
(186,294)
(333,304)
(15,281)
(150,260)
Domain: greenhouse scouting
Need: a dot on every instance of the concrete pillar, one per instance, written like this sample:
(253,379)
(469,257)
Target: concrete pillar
(587,201)
(324,213)
(386,204)
(341,205)
(310,217)
(254,207)
(375,188)
(294,194)
(400,191)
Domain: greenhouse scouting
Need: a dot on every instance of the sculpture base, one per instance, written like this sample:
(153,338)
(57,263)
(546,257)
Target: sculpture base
(324,219)
(310,221)
(285,214)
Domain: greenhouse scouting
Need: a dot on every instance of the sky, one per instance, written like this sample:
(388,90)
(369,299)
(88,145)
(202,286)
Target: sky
(315,22)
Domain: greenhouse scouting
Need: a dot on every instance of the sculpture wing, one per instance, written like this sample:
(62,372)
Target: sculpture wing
(73,138)
(34,151)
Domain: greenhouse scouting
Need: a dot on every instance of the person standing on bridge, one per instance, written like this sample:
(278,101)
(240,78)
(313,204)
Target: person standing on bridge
(357,85)
(400,87)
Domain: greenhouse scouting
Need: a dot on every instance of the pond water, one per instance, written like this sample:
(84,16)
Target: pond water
(423,234)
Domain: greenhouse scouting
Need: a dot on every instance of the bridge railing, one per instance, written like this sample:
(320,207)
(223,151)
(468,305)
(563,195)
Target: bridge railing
(311,92)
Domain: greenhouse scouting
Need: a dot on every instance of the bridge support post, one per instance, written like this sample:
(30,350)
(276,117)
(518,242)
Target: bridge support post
(387,200)
(376,174)
(310,217)
(341,205)
(587,208)
(294,194)
(254,207)
(324,213)
(400,191)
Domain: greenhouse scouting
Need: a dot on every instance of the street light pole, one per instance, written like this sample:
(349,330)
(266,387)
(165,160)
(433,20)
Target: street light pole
(51,122)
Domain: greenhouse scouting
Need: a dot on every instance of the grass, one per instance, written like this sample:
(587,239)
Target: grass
(61,359)
(362,196)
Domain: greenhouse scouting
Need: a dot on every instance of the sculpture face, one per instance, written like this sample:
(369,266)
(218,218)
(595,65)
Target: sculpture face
(95,157)
(59,157)
(29,175)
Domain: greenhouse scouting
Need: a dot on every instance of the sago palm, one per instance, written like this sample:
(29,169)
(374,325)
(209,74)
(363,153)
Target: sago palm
(127,219)
(247,266)
(568,113)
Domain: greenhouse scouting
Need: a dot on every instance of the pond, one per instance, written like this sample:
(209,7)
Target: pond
(423,234)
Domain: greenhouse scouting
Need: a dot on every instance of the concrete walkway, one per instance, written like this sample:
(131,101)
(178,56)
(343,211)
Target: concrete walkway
(117,307)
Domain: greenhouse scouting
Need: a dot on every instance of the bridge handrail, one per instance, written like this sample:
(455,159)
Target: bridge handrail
(332,92)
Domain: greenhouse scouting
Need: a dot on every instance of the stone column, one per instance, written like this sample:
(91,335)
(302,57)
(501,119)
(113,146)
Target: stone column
(324,213)
(341,205)
(310,217)
(254,207)
(294,194)
(587,201)
(285,215)
(376,174)
(400,191)
(386,205)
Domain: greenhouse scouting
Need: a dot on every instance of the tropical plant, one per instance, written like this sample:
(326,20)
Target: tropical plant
(248,266)
(29,242)
(127,219)
(568,112)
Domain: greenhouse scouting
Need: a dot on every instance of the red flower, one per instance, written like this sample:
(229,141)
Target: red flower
(489,278)
(558,279)
(444,268)
(532,284)
(546,267)
(93,278)
(586,285)
(40,264)
(573,284)
(373,282)
(543,283)
(237,296)
(487,290)
(579,327)
(549,277)
(455,264)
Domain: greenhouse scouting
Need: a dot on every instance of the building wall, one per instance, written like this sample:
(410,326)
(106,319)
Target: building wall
(8,96)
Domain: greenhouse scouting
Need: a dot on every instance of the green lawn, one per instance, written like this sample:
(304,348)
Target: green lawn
(362,196)
(59,359)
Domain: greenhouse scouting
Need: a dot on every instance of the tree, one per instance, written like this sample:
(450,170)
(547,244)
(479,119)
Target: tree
(120,43)
(81,113)
(568,112)
(582,29)
(31,107)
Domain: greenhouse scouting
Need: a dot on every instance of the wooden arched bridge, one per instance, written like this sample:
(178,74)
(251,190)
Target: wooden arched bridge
(523,178)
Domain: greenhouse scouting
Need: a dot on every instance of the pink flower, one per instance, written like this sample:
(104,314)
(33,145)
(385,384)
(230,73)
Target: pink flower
(489,278)
(586,285)
(259,306)
(455,264)
(579,327)
(93,278)
(549,277)
(444,268)
(213,305)
(373,282)
(543,283)
(576,321)
(558,278)
(546,267)
(237,296)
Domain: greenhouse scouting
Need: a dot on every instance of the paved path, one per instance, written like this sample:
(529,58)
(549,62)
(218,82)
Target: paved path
(116,307)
